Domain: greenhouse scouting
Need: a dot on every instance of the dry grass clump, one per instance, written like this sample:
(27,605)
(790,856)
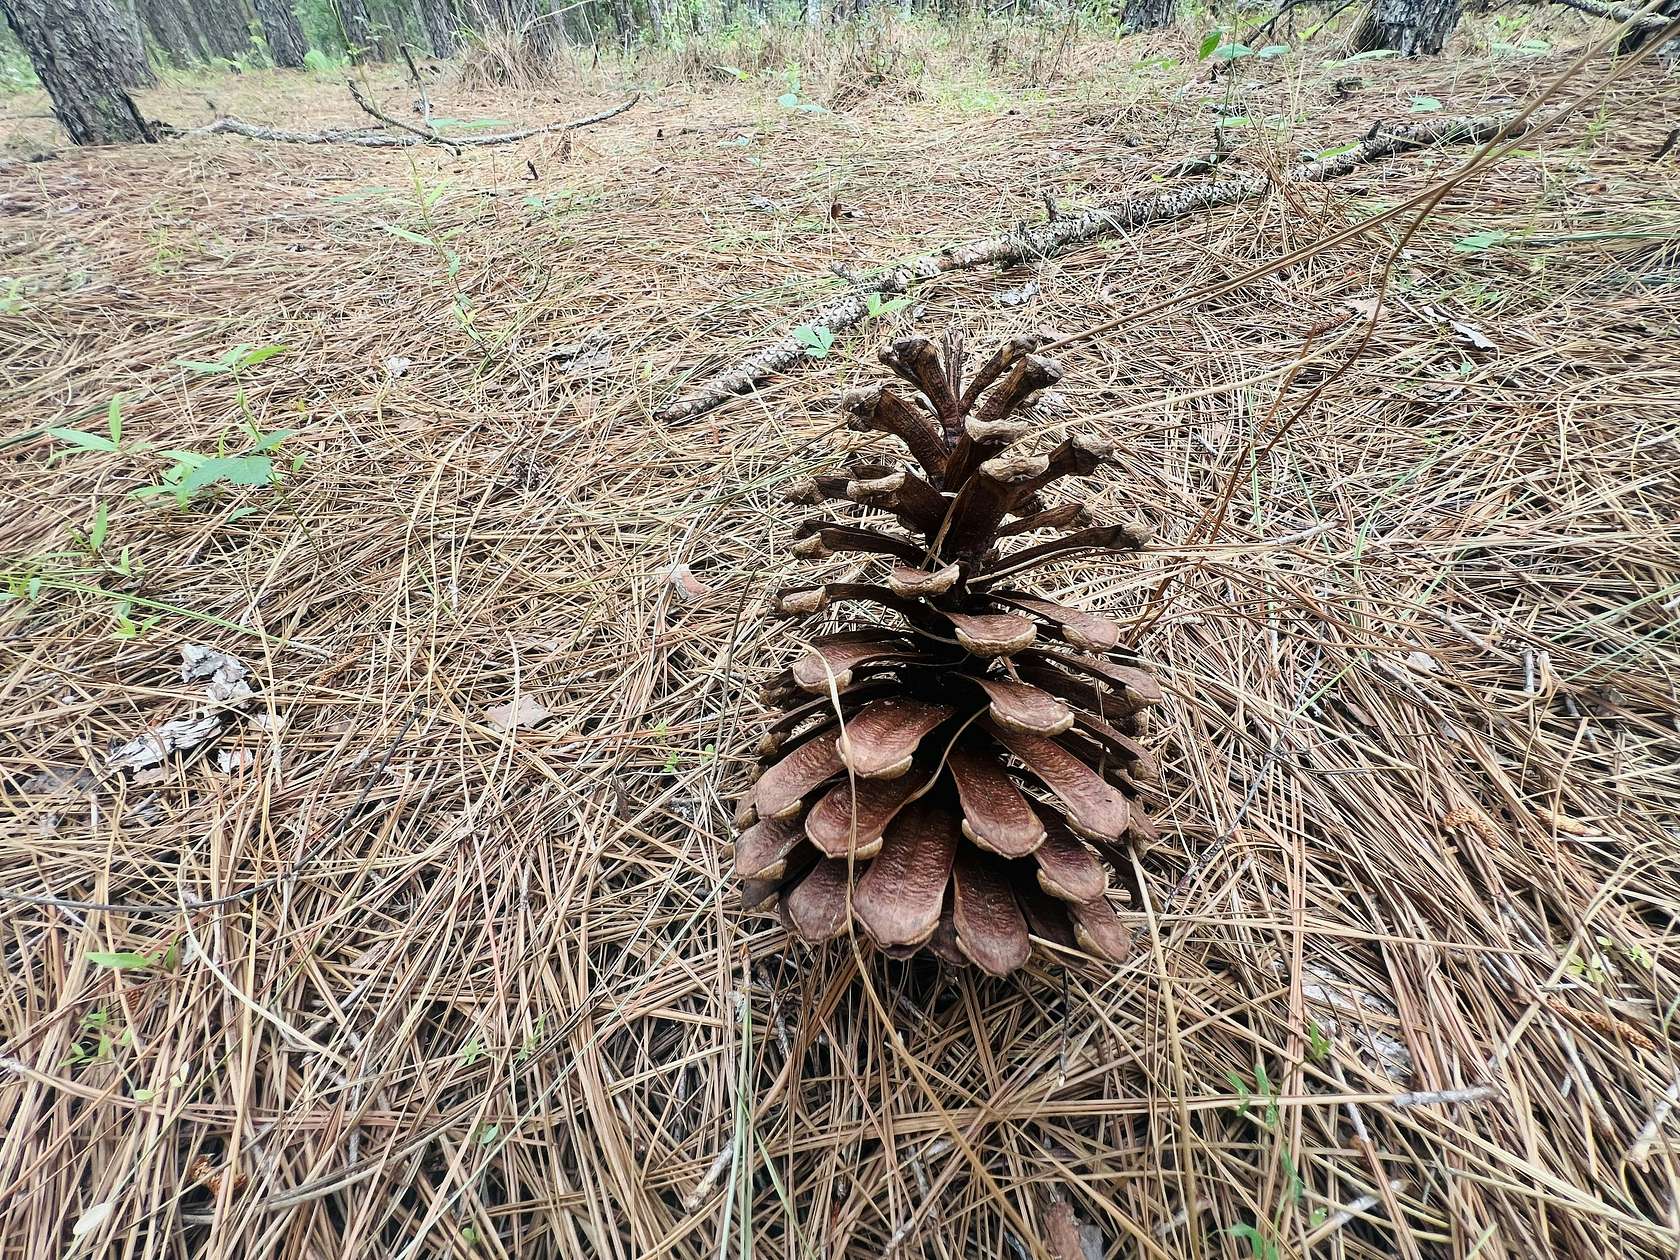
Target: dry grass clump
(427,948)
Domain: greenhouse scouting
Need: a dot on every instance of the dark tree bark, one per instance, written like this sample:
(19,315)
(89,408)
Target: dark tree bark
(656,21)
(357,26)
(129,48)
(1148,15)
(281,32)
(224,27)
(172,28)
(1410,27)
(624,20)
(438,17)
(81,50)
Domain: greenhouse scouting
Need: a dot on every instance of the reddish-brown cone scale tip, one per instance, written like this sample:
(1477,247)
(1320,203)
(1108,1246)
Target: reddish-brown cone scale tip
(985,736)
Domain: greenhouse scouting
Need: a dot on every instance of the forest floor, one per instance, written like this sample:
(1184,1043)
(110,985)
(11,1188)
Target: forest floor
(1404,984)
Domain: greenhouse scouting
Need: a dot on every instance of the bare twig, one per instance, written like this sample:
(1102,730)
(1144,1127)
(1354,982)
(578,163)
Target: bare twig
(419,86)
(429,135)
(385,140)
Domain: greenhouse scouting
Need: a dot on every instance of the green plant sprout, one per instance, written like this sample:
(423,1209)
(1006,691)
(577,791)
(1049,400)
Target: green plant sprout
(816,339)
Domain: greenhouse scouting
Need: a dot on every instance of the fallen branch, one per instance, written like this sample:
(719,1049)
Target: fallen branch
(429,134)
(406,138)
(1059,235)
(1619,13)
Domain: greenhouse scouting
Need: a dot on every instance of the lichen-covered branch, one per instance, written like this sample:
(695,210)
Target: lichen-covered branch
(1061,234)
(1619,13)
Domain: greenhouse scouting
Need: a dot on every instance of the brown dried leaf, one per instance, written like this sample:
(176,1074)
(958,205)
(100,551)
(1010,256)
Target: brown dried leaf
(515,714)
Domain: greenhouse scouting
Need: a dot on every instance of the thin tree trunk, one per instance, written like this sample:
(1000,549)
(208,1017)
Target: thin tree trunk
(813,14)
(543,37)
(624,20)
(439,19)
(223,26)
(357,27)
(1148,15)
(281,32)
(656,21)
(78,50)
(173,30)
(1410,27)
(130,47)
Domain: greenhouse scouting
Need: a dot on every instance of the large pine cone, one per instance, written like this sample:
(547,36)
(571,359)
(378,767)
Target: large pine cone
(984,746)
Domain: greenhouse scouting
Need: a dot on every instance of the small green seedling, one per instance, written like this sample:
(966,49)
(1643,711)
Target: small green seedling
(233,360)
(877,308)
(816,339)
(109,441)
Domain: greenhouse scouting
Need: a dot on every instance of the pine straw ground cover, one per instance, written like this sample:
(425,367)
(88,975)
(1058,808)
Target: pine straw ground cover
(1405,977)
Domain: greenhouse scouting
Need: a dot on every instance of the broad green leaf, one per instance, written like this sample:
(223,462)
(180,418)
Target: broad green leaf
(203,368)
(1209,43)
(236,470)
(113,419)
(1338,150)
(1231,52)
(87,441)
(1272,50)
(815,338)
(788,100)
(122,960)
(96,531)
(1425,104)
(1374,54)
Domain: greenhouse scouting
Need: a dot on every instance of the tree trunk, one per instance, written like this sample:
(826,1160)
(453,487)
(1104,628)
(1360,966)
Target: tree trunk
(357,27)
(439,19)
(624,20)
(173,30)
(813,14)
(1409,27)
(130,48)
(281,32)
(224,27)
(656,21)
(1148,15)
(79,51)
